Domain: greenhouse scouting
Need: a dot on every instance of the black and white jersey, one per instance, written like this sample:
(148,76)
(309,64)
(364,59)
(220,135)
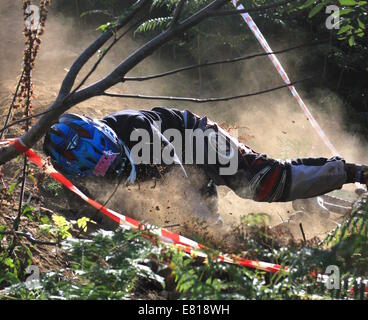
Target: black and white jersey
(257,176)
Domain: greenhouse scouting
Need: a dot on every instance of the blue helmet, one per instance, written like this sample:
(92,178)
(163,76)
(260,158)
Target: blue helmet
(81,146)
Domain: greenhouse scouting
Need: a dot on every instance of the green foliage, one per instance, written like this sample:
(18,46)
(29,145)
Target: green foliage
(12,267)
(53,187)
(82,223)
(154,24)
(353,16)
(61,228)
(28,212)
(349,242)
(13,186)
(347,250)
(112,266)
(107,267)
(216,280)
(318,8)
(223,281)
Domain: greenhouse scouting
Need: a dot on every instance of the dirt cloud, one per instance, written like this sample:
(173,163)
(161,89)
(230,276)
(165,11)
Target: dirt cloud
(272,123)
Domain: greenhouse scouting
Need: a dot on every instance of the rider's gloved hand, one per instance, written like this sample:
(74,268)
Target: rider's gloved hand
(356,173)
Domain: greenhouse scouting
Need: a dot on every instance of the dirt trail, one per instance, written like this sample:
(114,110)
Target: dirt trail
(272,123)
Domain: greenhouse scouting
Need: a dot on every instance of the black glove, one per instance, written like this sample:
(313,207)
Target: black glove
(356,173)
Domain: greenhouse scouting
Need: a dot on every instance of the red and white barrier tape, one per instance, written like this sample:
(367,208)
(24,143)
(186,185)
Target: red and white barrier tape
(170,238)
(261,39)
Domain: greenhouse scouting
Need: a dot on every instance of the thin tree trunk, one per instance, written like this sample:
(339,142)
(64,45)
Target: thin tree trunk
(199,62)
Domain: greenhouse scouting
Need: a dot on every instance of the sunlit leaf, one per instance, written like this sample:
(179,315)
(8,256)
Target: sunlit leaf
(315,10)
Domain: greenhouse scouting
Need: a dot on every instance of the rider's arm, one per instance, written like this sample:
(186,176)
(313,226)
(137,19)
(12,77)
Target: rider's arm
(310,177)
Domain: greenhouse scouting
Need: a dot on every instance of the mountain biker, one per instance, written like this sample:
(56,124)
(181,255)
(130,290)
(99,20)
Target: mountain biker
(83,147)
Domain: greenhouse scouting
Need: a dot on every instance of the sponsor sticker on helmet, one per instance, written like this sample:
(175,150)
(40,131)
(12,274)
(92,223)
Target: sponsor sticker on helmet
(104,163)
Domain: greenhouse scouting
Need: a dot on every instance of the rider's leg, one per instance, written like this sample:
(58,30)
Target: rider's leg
(265,179)
(209,193)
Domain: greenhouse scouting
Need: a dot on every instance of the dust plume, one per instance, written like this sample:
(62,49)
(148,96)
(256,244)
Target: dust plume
(272,123)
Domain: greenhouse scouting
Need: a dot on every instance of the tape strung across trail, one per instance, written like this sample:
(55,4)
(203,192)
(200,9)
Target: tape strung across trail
(167,237)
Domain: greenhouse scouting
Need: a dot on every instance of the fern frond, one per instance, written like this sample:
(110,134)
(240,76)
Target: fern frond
(154,24)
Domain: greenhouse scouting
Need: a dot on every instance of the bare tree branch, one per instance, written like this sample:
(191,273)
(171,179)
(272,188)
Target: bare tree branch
(12,104)
(92,49)
(62,104)
(106,51)
(135,58)
(15,122)
(93,69)
(225,61)
(202,100)
(177,13)
(171,72)
(252,9)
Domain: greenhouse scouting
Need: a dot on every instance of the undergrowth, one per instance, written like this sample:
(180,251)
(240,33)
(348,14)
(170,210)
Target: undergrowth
(122,264)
